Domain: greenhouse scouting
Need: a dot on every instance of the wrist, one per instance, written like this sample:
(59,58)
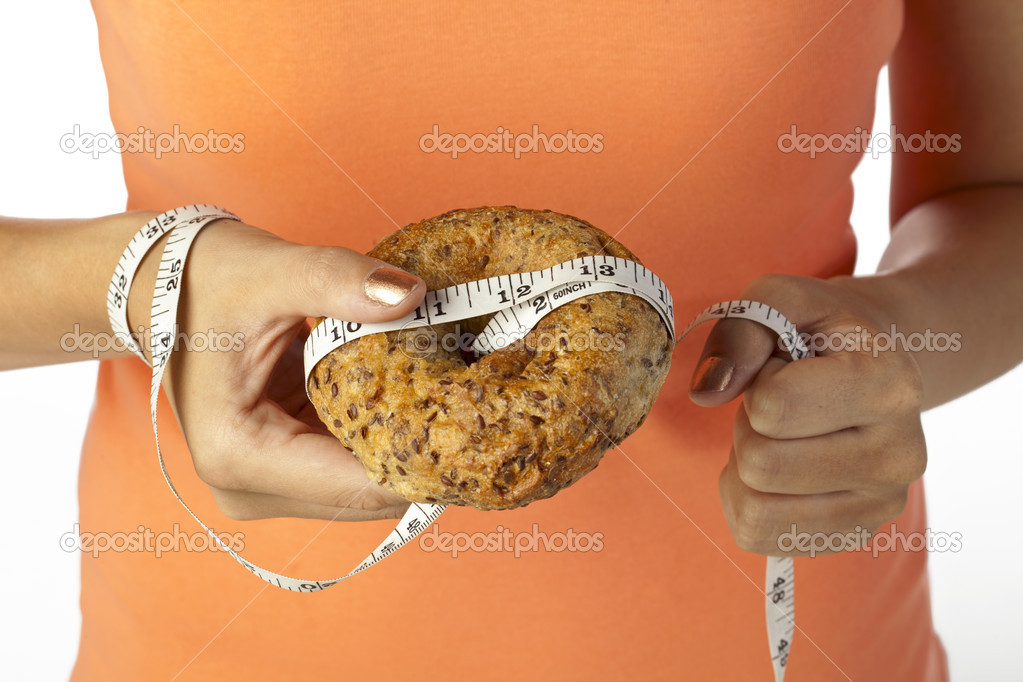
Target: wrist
(145,260)
(889,295)
(140,297)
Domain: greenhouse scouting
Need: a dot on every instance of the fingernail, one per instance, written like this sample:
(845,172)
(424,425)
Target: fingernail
(713,375)
(389,287)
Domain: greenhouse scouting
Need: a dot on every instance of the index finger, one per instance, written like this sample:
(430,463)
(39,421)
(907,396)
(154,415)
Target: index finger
(829,393)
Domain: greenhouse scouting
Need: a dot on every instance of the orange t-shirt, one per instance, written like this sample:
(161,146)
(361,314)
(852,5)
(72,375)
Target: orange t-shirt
(333,100)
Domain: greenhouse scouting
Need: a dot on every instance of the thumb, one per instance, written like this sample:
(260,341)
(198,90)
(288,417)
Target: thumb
(332,281)
(737,349)
(732,356)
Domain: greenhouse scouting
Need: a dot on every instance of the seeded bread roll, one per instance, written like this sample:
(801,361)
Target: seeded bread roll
(518,424)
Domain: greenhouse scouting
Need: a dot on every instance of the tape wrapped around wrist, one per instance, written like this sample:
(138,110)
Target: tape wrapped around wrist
(138,247)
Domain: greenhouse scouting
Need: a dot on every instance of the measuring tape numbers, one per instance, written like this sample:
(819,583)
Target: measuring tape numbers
(779,585)
(517,302)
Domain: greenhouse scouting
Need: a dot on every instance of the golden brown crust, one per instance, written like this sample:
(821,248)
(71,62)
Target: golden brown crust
(521,423)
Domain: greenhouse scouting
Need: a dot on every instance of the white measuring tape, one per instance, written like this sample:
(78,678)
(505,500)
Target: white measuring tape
(779,592)
(517,301)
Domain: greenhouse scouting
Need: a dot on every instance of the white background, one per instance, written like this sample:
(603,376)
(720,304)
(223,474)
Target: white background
(52,78)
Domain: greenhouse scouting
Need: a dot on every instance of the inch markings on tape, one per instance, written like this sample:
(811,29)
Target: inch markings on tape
(779,584)
(140,244)
(517,303)
(519,300)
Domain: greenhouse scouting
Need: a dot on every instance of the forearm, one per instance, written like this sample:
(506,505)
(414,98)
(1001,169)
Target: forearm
(54,276)
(955,266)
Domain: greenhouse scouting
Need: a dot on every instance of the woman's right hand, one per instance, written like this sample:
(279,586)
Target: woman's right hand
(253,434)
